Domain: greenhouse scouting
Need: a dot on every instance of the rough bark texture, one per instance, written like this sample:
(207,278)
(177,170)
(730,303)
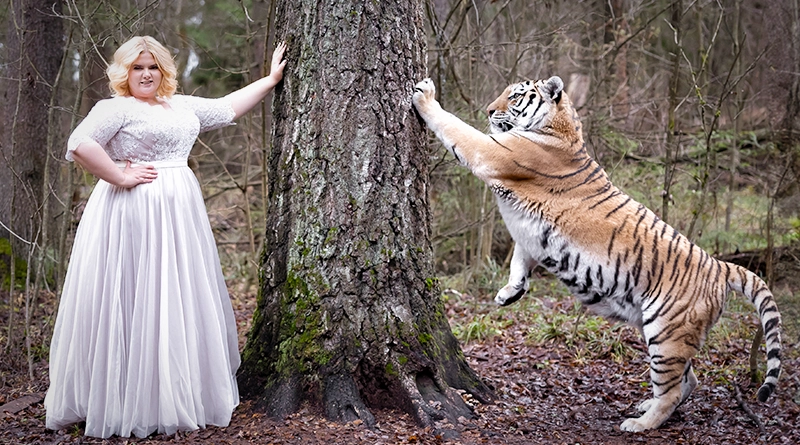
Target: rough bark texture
(349,316)
(34,50)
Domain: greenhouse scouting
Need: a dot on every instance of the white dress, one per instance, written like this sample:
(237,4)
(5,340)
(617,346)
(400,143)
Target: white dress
(145,337)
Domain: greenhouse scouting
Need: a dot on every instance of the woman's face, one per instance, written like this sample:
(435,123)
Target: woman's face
(144,77)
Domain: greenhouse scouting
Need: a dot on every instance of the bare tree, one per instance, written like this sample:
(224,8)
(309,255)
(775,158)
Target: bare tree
(35,50)
(28,83)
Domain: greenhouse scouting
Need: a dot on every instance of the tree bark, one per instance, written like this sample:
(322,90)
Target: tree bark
(349,316)
(35,42)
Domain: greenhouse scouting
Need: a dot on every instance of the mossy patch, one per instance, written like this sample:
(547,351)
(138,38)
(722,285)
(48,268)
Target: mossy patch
(301,349)
(20,266)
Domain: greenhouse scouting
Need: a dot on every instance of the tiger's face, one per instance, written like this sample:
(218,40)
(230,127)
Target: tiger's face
(525,106)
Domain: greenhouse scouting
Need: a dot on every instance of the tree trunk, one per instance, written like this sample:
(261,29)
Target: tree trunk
(672,142)
(616,30)
(349,317)
(788,143)
(739,104)
(34,47)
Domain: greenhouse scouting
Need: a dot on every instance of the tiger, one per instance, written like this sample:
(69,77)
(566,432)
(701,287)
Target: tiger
(614,254)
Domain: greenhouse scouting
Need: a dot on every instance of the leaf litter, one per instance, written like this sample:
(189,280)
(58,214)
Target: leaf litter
(548,391)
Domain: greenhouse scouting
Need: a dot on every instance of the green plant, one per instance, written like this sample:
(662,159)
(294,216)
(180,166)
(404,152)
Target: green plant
(20,267)
(481,328)
(794,232)
(586,336)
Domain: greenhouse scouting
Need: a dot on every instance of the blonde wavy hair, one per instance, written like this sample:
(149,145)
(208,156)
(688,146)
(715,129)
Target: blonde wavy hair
(126,54)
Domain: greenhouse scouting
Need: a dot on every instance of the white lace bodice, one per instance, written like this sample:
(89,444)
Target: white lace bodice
(131,130)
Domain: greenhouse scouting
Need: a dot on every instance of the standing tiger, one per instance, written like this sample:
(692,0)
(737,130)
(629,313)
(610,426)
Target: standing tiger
(618,258)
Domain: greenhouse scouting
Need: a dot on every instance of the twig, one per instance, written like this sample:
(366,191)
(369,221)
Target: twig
(8,229)
(748,411)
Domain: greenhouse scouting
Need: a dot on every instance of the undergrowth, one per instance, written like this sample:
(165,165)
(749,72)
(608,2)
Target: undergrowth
(548,314)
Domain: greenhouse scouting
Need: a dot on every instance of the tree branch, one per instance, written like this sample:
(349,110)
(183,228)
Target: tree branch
(738,395)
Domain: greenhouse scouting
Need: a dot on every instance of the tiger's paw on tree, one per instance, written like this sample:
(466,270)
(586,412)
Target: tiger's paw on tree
(424,95)
(426,88)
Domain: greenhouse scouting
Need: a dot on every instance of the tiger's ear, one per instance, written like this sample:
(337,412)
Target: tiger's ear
(552,88)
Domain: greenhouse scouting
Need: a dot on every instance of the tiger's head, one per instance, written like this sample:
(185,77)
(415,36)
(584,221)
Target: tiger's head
(528,105)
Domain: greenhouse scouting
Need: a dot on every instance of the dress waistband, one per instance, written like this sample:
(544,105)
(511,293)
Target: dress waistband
(172,163)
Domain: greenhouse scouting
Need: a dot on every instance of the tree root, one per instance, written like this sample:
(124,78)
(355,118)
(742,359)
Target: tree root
(342,401)
(435,403)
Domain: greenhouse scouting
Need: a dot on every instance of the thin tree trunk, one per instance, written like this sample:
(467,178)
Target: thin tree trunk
(349,316)
(739,105)
(769,264)
(265,62)
(249,137)
(69,183)
(708,123)
(49,184)
(616,30)
(672,142)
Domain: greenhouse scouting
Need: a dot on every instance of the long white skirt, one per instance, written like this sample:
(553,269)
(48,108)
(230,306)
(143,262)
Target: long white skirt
(145,337)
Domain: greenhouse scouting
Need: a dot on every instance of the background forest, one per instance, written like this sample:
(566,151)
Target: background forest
(693,108)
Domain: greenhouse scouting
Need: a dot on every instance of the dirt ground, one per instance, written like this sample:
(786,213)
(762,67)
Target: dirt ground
(562,403)
(546,394)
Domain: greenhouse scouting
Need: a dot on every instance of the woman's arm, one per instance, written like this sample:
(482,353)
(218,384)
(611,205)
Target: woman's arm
(92,157)
(243,100)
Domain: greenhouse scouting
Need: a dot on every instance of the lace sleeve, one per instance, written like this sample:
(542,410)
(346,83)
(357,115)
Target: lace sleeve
(100,125)
(212,113)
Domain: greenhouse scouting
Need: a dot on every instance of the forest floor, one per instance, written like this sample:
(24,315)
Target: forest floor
(571,383)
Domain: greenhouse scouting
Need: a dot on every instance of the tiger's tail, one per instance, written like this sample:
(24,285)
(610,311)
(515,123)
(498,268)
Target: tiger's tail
(756,290)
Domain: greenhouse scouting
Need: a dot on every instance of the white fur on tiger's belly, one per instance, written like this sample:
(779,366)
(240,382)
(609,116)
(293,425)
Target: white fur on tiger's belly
(528,230)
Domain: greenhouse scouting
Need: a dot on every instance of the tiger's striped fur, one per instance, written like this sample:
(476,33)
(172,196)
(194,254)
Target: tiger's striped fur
(620,260)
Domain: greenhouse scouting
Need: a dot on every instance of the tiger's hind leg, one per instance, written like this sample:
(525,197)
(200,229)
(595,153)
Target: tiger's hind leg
(673,382)
(521,266)
(688,384)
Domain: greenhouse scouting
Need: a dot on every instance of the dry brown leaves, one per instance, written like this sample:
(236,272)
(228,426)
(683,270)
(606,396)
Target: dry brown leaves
(545,395)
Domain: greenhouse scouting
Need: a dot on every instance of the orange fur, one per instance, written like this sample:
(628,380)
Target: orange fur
(615,255)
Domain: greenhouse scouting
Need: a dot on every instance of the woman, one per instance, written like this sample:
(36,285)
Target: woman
(145,338)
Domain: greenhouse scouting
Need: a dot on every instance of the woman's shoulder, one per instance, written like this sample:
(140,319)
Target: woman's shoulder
(189,102)
(111,108)
(184,99)
(116,100)
(115,103)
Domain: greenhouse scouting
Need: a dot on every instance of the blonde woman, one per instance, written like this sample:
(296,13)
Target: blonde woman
(145,338)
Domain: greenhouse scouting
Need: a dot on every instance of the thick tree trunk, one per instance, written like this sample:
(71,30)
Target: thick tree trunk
(34,48)
(349,316)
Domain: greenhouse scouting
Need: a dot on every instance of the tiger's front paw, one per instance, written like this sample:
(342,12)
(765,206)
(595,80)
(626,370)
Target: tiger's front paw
(645,405)
(510,293)
(424,94)
(633,426)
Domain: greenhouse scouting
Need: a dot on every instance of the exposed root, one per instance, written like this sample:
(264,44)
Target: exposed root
(435,404)
(342,401)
